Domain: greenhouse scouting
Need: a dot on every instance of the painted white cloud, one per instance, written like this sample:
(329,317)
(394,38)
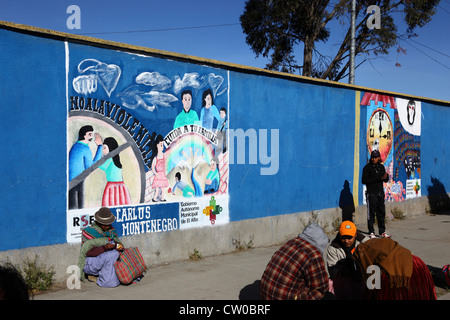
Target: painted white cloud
(154,79)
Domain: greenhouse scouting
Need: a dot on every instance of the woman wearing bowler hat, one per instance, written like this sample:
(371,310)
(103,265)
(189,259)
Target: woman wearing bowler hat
(100,250)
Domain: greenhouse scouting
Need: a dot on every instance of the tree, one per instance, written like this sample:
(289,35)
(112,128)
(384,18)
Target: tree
(278,27)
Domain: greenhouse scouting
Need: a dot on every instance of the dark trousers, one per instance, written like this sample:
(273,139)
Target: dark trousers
(375,208)
(76,196)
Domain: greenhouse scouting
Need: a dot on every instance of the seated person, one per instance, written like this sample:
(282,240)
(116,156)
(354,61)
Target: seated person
(12,284)
(297,271)
(404,276)
(100,250)
(213,177)
(345,275)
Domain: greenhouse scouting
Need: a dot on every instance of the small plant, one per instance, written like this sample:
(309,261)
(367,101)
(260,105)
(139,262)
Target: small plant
(196,255)
(315,218)
(244,245)
(38,277)
(336,224)
(398,213)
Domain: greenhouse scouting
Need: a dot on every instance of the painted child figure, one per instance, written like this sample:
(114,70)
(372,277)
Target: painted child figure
(183,186)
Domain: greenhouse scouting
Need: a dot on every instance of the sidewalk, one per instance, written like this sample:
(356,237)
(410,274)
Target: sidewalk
(235,276)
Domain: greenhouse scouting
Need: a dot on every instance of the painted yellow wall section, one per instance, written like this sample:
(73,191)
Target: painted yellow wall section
(356,154)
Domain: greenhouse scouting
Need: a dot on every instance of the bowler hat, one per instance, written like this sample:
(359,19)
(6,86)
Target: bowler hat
(104,216)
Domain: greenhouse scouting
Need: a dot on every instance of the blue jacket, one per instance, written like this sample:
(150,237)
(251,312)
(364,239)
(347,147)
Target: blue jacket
(80,158)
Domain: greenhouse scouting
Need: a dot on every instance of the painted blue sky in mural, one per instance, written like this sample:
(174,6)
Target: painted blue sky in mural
(211,29)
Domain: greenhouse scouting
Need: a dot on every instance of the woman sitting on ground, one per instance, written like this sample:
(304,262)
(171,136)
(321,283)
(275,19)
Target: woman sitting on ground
(100,250)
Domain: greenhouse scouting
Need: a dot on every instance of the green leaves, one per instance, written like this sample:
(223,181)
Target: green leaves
(276,28)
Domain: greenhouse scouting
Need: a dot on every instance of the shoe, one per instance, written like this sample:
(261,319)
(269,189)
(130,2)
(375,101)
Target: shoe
(92,278)
(372,235)
(385,235)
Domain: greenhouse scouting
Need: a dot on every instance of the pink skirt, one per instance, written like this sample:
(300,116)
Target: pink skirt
(160,181)
(116,194)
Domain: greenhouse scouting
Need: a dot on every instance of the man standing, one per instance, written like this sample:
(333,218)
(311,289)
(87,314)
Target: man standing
(80,158)
(373,176)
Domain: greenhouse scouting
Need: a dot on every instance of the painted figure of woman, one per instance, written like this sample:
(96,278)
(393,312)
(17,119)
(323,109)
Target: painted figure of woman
(159,169)
(209,110)
(116,192)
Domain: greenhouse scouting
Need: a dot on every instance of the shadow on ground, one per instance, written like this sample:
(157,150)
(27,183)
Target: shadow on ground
(439,281)
(251,291)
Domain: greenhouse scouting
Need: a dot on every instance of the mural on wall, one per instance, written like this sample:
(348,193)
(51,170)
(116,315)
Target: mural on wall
(148,140)
(393,128)
(407,146)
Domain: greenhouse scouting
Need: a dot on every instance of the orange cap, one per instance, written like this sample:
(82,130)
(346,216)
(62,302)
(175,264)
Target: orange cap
(347,228)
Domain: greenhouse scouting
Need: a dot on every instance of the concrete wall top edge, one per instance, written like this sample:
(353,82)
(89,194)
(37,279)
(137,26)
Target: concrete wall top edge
(62,36)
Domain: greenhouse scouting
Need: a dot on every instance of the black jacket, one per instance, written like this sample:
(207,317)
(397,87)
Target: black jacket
(372,177)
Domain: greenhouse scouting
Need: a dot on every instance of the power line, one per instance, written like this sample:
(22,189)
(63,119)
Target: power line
(444,54)
(427,55)
(443,9)
(407,40)
(164,29)
(235,24)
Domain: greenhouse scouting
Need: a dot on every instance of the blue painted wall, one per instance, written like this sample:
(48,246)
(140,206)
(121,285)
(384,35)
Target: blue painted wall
(316,137)
(435,151)
(315,122)
(33,124)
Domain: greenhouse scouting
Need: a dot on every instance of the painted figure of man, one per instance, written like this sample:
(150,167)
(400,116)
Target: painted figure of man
(80,158)
(186,116)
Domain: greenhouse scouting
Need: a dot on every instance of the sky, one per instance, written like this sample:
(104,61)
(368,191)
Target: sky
(211,29)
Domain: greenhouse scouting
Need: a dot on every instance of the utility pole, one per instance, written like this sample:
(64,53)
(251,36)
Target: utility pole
(351,76)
